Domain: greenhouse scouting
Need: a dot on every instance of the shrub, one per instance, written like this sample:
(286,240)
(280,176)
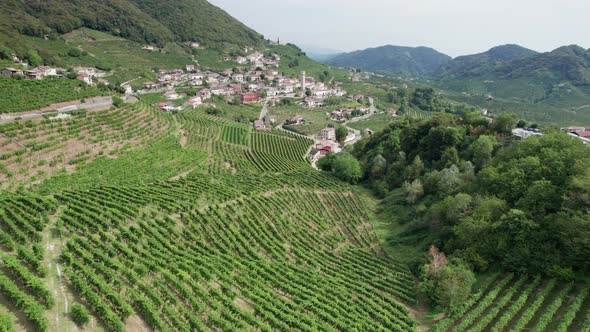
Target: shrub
(80,314)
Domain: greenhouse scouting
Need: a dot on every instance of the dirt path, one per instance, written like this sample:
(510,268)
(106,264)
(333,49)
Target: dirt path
(57,316)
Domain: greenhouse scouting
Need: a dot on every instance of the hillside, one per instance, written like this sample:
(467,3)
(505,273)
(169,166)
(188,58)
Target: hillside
(200,223)
(558,79)
(482,63)
(144,21)
(397,60)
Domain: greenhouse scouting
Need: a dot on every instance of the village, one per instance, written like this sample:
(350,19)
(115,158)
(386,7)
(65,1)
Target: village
(256,79)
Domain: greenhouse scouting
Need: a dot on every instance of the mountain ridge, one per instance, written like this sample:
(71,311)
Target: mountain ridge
(393,59)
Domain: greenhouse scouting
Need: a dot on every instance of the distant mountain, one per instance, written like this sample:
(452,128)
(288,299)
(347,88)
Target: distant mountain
(398,60)
(320,54)
(482,63)
(149,21)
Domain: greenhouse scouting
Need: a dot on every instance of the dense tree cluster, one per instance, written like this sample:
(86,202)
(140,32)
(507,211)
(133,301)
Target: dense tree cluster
(488,200)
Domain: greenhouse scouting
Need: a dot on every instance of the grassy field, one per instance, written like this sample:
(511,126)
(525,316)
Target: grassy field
(376,122)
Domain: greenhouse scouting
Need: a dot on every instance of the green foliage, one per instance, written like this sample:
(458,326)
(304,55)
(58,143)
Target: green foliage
(22,95)
(342,165)
(118,101)
(502,204)
(80,314)
(448,287)
(341,133)
(397,60)
(139,20)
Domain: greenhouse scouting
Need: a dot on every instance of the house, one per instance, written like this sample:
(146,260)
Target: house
(168,107)
(327,146)
(286,89)
(522,133)
(172,95)
(193,102)
(11,71)
(190,68)
(195,76)
(128,89)
(256,56)
(327,134)
(321,93)
(195,83)
(104,82)
(238,78)
(367,132)
(585,134)
(85,78)
(226,58)
(358,97)
(363,109)
(148,48)
(296,120)
(272,92)
(313,102)
(193,44)
(35,74)
(89,71)
(150,85)
(241,60)
(205,94)
(392,112)
(249,97)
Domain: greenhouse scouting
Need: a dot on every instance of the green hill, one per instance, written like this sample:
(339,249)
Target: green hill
(145,21)
(482,63)
(398,60)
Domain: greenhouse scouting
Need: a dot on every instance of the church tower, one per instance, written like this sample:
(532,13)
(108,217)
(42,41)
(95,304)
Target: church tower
(303,82)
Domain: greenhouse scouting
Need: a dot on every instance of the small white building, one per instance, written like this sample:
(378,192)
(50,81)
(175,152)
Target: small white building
(171,95)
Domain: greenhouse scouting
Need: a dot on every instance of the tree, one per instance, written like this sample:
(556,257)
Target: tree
(34,58)
(378,166)
(347,168)
(263,94)
(521,124)
(5,53)
(480,151)
(80,314)
(308,92)
(447,284)
(341,133)
(413,191)
(504,123)
(325,163)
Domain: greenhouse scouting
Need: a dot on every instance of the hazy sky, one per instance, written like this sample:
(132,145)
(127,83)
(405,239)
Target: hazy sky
(454,27)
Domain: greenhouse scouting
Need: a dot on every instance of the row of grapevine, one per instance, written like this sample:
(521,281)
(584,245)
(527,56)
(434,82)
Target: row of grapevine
(519,304)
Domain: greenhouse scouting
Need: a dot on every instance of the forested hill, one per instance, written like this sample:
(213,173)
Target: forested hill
(481,63)
(411,61)
(488,201)
(147,21)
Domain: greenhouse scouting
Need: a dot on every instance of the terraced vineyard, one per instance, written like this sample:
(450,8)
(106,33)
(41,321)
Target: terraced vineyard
(247,238)
(32,150)
(513,303)
(190,222)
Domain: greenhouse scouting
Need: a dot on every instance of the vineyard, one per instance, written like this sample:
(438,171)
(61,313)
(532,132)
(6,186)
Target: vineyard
(32,150)
(190,222)
(522,303)
(24,95)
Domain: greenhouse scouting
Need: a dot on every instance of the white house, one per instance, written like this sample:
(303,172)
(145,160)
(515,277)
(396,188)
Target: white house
(172,95)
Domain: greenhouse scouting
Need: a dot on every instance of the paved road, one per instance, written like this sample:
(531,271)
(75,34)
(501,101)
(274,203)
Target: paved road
(90,104)
(264,110)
